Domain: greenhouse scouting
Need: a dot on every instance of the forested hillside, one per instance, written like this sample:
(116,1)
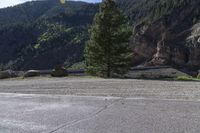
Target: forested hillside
(40,34)
(147,11)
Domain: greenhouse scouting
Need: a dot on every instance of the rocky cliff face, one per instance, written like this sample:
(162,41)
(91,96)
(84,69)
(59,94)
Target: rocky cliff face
(173,39)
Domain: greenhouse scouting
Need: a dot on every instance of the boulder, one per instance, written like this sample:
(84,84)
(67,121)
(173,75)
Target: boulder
(154,73)
(32,73)
(59,72)
(7,74)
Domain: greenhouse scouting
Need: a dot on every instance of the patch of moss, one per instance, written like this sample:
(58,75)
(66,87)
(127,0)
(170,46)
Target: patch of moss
(186,78)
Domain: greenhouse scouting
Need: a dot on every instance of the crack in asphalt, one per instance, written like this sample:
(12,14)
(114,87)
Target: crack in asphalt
(88,117)
(95,114)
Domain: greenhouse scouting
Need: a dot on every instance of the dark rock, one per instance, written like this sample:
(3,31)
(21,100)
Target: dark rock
(7,74)
(59,72)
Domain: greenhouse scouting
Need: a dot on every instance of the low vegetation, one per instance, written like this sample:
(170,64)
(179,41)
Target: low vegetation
(186,78)
(198,76)
(77,66)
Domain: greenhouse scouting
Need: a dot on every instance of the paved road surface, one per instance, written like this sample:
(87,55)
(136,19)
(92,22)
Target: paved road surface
(142,106)
(22,113)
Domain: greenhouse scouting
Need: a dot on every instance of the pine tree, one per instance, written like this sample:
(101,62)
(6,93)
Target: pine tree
(107,52)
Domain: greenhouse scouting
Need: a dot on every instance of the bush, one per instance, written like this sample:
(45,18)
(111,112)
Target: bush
(78,66)
(186,78)
(198,76)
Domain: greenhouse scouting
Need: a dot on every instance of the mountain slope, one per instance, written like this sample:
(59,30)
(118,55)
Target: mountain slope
(38,35)
(50,34)
(166,32)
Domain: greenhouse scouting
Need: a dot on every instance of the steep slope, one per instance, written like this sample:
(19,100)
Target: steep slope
(166,32)
(50,34)
(40,34)
(25,13)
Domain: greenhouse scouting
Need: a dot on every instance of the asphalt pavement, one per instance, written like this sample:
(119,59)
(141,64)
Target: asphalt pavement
(95,105)
(36,113)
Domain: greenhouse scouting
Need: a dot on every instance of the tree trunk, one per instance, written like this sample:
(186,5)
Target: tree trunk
(108,71)
(108,65)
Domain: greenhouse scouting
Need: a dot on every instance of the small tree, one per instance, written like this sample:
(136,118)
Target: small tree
(107,52)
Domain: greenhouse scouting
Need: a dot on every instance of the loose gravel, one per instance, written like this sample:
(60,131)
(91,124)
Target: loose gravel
(103,87)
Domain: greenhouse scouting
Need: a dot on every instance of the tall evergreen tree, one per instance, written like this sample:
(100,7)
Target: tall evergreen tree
(107,52)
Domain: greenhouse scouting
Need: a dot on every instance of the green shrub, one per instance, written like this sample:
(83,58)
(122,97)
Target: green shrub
(184,78)
(78,66)
(198,76)
(187,78)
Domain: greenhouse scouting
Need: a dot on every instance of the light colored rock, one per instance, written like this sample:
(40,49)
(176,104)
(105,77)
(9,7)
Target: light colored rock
(155,73)
(160,44)
(32,73)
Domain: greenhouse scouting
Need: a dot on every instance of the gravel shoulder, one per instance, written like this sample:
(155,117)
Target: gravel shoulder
(103,87)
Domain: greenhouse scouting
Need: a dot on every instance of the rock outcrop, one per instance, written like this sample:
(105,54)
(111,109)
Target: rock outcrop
(173,40)
(155,73)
